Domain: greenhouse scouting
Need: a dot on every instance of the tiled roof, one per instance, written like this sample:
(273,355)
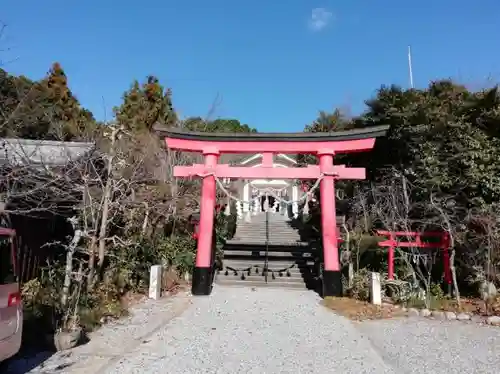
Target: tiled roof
(42,152)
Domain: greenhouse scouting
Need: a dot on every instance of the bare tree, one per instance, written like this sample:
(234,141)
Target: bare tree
(389,205)
(484,251)
(447,220)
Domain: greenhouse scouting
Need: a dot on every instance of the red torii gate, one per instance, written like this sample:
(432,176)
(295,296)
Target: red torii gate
(393,242)
(323,145)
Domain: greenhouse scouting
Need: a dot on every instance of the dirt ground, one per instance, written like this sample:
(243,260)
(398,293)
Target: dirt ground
(474,306)
(361,310)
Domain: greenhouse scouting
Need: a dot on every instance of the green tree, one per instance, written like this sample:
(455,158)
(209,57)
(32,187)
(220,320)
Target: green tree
(46,109)
(146,104)
(327,122)
(219,125)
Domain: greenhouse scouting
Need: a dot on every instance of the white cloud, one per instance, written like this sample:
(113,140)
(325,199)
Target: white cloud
(320,18)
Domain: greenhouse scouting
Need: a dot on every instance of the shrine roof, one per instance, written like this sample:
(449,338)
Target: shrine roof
(17,151)
(354,134)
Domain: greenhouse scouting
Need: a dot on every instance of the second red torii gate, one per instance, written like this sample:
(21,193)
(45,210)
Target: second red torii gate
(323,145)
(413,239)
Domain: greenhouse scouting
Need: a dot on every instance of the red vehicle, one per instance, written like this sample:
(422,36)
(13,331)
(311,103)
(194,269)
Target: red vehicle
(11,308)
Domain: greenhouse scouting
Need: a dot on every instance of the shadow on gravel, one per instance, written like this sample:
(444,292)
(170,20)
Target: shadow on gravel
(38,346)
(25,361)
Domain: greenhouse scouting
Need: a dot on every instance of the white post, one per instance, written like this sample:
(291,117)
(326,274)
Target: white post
(246,197)
(266,203)
(256,204)
(375,289)
(295,205)
(155,280)
(275,205)
(350,273)
(239,210)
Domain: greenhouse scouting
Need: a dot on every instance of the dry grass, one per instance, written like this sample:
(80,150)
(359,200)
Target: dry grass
(357,310)
(471,306)
(361,310)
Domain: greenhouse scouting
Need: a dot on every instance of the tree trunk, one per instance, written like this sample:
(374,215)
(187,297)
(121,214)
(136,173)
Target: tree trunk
(456,290)
(146,220)
(107,196)
(69,268)
(91,276)
(104,223)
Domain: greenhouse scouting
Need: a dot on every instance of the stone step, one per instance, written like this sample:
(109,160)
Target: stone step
(261,284)
(278,263)
(255,220)
(294,277)
(263,223)
(262,237)
(271,215)
(270,233)
(254,270)
(259,234)
(275,264)
(259,241)
(263,233)
(260,249)
(273,246)
(250,256)
(274,241)
(263,228)
(262,246)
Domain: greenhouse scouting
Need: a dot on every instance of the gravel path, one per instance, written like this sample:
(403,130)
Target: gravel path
(240,330)
(435,347)
(237,330)
(107,345)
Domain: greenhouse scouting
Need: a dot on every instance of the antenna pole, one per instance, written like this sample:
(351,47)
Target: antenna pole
(410,70)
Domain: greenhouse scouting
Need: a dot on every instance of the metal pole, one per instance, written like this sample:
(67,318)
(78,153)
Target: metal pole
(266,263)
(410,69)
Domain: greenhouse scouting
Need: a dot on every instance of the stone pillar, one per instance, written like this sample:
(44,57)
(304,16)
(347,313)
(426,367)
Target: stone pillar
(375,289)
(202,273)
(155,281)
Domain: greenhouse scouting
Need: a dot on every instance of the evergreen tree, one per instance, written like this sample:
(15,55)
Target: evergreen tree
(146,104)
(46,109)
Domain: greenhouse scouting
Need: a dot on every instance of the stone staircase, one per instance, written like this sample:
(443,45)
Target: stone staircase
(247,256)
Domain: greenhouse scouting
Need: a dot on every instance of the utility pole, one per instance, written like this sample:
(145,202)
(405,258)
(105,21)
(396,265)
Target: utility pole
(410,70)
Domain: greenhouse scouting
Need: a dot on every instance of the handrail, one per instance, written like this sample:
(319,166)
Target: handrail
(266,261)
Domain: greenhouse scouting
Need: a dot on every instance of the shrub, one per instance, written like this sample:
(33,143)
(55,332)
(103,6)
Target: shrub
(360,288)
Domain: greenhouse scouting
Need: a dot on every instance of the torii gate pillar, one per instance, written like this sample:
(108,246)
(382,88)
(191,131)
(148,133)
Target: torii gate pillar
(332,278)
(323,145)
(204,268)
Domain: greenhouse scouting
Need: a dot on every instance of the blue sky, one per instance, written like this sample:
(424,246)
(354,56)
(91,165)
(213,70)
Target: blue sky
(271,64)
